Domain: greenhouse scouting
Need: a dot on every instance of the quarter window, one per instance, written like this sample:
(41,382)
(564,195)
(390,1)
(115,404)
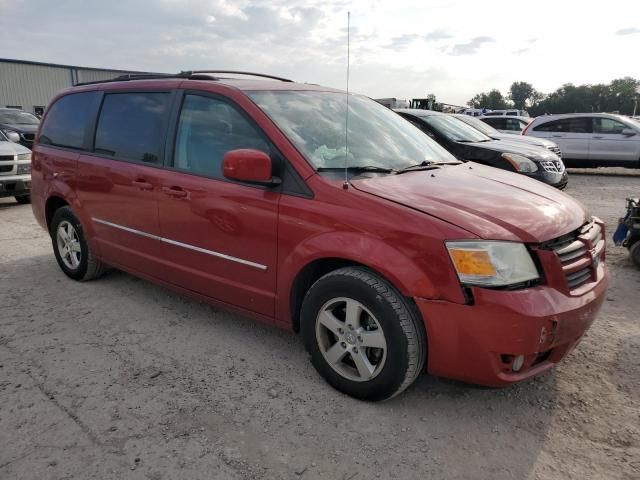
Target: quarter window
(208,128)
(131,126)
(513,124)
(608,125)
(65,124)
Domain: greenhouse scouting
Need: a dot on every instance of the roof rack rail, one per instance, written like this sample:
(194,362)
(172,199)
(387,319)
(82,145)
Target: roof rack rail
(238,72)
(188,74)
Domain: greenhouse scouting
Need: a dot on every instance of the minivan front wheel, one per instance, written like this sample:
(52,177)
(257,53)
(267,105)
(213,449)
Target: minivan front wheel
(70,247)
(363,336)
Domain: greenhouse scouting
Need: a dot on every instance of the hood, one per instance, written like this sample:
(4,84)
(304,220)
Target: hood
(488,202)
(20,127)
(505,146)
(521,139)
(10,148)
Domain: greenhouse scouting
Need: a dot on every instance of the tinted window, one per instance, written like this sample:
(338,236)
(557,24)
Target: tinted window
(571,125)
(208,128)
(131,126)
(67,120)
(608,125)
(495,122)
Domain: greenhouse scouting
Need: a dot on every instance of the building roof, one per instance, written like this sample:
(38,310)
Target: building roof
(59,65)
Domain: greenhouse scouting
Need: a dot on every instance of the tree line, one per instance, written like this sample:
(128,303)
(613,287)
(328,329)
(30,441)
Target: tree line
(618,96)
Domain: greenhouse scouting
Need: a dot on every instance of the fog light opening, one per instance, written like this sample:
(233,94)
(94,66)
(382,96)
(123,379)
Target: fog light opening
(517,364)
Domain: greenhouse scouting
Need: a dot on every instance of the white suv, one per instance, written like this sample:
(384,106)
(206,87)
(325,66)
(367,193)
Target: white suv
(591,139)
(15,170)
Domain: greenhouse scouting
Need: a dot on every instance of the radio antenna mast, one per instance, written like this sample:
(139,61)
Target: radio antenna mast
(345,185)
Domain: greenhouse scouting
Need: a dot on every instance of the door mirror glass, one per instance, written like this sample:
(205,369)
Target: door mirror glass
(13,137)
(248,165)
(628,132)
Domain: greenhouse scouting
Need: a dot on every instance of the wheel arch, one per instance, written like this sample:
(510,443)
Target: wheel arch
(53,203)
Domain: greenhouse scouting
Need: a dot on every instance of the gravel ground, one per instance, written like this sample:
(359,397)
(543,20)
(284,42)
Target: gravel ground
(119,378)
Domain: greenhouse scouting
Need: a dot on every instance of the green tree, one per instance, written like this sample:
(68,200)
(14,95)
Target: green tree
(492,100)
(520,93)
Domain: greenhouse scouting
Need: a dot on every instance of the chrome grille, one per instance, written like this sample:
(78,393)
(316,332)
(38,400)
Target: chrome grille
(555,149)
(578,253)
(554,166)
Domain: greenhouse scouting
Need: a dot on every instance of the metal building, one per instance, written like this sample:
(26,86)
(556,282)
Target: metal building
(31,85)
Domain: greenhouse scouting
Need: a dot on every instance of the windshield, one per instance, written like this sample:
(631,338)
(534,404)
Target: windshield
(18,118)
(478,125)
(453,129)
(378,137)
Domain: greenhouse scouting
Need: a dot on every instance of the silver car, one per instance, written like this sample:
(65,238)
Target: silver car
(591,139)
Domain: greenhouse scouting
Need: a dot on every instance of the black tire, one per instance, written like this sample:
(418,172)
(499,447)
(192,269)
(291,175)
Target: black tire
(634,252)
(399,321)
(23,199)
(89,267)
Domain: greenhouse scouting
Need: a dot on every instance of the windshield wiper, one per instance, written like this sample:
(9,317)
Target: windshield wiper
(357,168)
(424,165)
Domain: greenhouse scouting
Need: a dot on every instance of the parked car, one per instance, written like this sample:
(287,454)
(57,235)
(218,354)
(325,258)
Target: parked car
(236,192)
(511,125)
(18,126)
(467,143)
(15,170)
(491,132)
(591,139)
(473,112)
(513,113)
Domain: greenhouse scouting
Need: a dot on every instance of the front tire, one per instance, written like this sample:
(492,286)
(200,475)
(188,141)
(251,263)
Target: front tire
(23,199)
(364,337)
(70,247)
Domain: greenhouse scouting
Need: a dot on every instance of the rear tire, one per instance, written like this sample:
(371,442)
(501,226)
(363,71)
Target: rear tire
(634,252)
(364,337)
(23,199)
(70,247)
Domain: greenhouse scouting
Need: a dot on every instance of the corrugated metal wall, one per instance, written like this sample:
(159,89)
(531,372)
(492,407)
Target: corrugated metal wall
(29,85)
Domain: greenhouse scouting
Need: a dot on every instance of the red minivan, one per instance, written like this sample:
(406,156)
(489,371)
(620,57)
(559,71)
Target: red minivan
(389,256)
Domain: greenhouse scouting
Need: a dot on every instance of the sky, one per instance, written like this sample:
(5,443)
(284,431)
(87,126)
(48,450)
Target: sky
(401,48)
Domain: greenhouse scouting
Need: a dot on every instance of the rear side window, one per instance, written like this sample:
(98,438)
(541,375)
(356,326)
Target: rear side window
(569,125)
(495,122)
(513,124)
(65,124)
(208,128)
(131,126)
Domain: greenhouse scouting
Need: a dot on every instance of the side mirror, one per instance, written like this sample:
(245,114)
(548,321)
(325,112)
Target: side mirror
(629,132)
(248,165)
(13,136)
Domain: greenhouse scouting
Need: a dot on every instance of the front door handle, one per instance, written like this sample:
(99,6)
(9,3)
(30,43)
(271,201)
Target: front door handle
(175,192)
(142,184)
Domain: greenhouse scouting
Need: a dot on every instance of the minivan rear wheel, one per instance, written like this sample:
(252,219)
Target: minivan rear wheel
(70,247)
(363,336)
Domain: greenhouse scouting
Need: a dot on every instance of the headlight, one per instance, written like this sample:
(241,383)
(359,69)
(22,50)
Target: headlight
(520,162)
(24,156)
(492,264)
(24,168)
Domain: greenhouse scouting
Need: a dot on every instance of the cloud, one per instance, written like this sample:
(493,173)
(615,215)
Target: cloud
(402,41)
(471,46)
(437,35)
(628,31)
(521,51)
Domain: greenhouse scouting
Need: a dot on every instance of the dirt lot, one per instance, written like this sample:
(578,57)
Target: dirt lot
(119,379)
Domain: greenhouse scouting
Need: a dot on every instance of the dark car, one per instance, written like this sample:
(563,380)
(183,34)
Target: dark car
(467,143)
(24,124)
